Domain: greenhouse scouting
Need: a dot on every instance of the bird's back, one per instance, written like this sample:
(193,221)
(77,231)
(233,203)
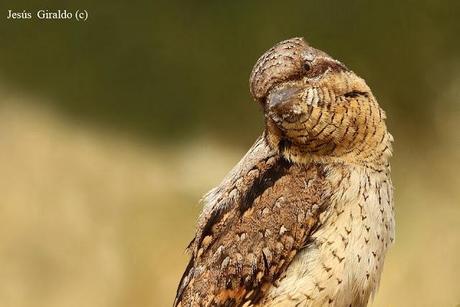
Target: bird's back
(248,242)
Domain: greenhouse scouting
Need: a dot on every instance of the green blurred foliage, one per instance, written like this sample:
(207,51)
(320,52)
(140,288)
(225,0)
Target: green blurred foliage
(171,69)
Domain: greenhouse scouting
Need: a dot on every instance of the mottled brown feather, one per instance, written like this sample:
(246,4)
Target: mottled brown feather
(246,249)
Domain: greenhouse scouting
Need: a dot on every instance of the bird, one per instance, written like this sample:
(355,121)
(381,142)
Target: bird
(307,216)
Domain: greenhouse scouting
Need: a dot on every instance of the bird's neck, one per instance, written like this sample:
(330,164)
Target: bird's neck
(373,153)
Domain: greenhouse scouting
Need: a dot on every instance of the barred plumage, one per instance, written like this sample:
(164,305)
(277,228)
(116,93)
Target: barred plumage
(306,217)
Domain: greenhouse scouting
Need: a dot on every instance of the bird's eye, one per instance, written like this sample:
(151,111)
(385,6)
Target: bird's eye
(306,66)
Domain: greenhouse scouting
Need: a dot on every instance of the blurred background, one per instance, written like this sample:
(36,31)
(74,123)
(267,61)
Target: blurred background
(112,129)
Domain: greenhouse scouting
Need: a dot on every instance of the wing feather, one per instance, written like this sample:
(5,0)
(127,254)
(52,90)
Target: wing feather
(244,244)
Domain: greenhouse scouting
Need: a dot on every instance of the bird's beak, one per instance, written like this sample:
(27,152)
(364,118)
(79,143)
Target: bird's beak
(280,96)
(283,103)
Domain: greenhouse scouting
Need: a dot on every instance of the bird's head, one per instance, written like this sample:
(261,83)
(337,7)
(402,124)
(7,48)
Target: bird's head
(316,108)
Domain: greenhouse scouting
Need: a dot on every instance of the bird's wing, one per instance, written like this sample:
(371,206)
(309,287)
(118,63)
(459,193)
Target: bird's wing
(251,228)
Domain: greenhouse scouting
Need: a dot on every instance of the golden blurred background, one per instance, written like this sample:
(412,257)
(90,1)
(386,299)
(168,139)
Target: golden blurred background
(112,129)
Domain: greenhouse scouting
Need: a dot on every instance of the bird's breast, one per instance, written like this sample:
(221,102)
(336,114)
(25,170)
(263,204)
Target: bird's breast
(343,262)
